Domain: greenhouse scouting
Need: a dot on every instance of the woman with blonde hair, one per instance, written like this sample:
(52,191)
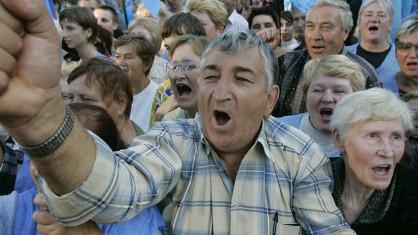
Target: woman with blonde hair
(326,81)
(373,29)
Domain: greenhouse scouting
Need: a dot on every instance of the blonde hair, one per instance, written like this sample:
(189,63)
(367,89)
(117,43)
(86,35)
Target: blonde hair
(386,5)
(334,66)
(163,14)
(373,104)
(215,9)
(151,26)
(407,28)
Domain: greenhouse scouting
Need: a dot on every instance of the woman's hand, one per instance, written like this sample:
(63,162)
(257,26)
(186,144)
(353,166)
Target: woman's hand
(47,225)
(167,106)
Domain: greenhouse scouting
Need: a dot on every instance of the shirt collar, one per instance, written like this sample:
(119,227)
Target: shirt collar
(261,139)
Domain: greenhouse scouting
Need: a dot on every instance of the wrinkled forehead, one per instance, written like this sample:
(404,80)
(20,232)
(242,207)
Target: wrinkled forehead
(215,52)
(325,11)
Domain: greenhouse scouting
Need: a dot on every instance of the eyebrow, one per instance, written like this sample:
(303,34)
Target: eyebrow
(236,69)
(243,69)
(211,67)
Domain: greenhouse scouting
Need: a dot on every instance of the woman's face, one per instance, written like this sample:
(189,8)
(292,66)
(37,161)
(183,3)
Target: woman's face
(210,28)
(374,24)
(323,94)
(183,76)
(412,135)
(286,29)
(372,150)
(74,35)
(407,54)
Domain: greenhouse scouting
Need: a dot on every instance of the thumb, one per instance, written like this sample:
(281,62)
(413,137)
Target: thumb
(34,14)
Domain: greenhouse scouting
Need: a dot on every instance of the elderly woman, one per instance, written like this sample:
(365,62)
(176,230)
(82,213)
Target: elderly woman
(373,28)
(375,195)
(326,82)
(406,41)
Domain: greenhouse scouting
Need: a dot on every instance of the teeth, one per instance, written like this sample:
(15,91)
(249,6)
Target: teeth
(326,111)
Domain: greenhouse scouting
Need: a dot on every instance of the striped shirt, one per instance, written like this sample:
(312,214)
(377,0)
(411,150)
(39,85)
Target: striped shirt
(283,184)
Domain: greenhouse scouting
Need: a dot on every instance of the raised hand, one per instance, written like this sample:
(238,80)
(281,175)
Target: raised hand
(270,36)
(29,68)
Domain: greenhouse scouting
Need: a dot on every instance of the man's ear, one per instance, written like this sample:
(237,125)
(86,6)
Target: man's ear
(346,35)
(273,96)
(338,140)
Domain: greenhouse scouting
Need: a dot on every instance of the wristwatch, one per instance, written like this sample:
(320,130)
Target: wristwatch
(56,140)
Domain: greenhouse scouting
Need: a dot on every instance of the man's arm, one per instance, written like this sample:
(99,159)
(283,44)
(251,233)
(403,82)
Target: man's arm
(31,108)
(84,178)
(313,204)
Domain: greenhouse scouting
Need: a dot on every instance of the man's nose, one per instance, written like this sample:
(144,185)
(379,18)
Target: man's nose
(316,34)
(222,90)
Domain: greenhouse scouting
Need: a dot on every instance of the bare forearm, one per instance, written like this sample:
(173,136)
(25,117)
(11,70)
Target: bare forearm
(68,166)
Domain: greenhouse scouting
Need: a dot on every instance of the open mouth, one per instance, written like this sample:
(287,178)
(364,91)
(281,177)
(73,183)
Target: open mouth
(325,112)
(373,28)
(412,63)
(382,170)
(183,90)
(222,118)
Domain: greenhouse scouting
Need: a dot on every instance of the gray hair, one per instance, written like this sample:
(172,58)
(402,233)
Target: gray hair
(346,15)
(372,104)
(385,4)
(408,27)
(232,42)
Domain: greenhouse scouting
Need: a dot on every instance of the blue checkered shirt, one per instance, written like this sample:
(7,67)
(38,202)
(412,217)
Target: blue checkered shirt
(283,184)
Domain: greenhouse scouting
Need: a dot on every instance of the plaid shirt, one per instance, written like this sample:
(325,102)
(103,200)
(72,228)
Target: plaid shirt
(283,183)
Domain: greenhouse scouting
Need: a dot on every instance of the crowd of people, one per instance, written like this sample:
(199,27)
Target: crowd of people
(208,117)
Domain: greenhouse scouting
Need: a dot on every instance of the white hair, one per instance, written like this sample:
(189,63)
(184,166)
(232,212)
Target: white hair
(372,104)
(346,16)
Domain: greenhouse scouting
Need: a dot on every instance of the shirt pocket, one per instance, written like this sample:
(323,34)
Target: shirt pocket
(287,229)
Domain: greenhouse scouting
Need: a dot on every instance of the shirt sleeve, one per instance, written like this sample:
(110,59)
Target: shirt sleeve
(313,205)
(121,184)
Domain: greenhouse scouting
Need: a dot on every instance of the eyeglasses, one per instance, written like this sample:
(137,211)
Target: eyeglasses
(405,46)
(187,66)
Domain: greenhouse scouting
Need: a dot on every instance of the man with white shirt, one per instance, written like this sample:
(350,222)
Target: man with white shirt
(134,55)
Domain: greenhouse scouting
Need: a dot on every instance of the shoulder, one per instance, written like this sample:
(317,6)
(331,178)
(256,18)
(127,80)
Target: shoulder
(294,56)
(405,199)
(352,48)
(179,127)
(368,70)
(290,139)
(174,115)
(292,120)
